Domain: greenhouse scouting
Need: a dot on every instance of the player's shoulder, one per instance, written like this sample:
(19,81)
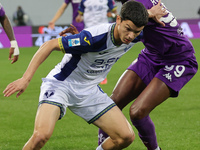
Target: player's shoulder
(99,29)
(148,3)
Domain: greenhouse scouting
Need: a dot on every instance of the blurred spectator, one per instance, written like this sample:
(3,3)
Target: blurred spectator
(19,17)
(96,12)
(75,5)
(198,12)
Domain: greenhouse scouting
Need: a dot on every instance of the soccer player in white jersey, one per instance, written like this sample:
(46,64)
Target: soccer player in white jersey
(95,12)
(73,83)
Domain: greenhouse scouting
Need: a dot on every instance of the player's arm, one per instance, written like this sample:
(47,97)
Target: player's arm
(156,12)
(81,9)
(113,8)
(14,50)
(21,84)
(57,15)
(112,14)
(79,17)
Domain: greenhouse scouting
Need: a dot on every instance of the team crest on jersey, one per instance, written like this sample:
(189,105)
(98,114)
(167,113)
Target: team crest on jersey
(74,42)
(49,93)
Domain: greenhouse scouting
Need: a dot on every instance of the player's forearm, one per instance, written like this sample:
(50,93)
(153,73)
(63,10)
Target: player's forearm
(8,28)
(59,13)
(40,56)
(56,17)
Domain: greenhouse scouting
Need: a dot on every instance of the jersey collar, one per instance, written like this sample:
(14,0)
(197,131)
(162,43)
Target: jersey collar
(112,34)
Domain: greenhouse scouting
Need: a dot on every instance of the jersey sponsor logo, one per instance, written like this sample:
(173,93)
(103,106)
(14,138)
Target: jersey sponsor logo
(102,65)
(74,42)
(87,41)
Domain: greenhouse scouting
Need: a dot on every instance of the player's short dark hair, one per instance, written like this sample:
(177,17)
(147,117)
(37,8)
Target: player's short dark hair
(122,1)
(134,11)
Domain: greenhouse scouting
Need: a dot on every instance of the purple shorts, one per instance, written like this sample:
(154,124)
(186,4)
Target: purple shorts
(174,75)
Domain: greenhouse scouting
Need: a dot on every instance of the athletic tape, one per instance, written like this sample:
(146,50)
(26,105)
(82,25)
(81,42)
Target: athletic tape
(14,45)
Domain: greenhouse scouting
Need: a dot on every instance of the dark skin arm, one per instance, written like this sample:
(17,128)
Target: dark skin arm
(9,31)
(7,27)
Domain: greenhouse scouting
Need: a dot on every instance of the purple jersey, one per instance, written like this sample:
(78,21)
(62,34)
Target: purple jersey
(167,43)
(75,5)
(2,12)
(168,54)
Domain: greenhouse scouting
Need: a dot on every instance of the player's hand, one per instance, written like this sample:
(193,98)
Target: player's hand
(51,25)
(111,14)
(72,29)
(14,50)
(17,86)
(79,18)
(157,11)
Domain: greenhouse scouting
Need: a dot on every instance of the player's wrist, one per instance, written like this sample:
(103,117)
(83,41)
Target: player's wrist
(113,15)
(13,44)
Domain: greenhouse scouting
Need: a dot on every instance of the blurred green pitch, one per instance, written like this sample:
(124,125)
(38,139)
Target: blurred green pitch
(177,120)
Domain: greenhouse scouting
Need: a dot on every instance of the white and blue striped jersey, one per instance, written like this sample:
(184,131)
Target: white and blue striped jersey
(95,11)
(89,55)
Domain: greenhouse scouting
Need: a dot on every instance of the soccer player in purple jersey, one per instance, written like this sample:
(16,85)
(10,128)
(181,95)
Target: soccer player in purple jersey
(161,70)
(75,5)
(14,50)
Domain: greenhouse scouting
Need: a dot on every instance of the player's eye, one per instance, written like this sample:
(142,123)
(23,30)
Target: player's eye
(136,32)
(127,29)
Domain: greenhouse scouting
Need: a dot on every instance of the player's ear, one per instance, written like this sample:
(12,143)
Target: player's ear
(118,19)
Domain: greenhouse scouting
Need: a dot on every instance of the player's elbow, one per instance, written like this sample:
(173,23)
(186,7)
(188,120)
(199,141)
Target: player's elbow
(52,45)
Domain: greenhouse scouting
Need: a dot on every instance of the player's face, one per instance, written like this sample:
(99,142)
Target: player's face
(127,31)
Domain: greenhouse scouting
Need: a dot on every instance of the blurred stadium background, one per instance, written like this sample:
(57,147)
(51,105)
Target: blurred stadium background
(41,11)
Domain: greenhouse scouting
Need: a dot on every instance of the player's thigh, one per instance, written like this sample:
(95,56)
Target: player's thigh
(46,117)
(153,95)
(129,86)
(115,124)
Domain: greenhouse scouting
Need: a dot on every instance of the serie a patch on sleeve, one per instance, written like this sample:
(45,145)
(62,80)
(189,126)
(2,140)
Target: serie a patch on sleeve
(74,42)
